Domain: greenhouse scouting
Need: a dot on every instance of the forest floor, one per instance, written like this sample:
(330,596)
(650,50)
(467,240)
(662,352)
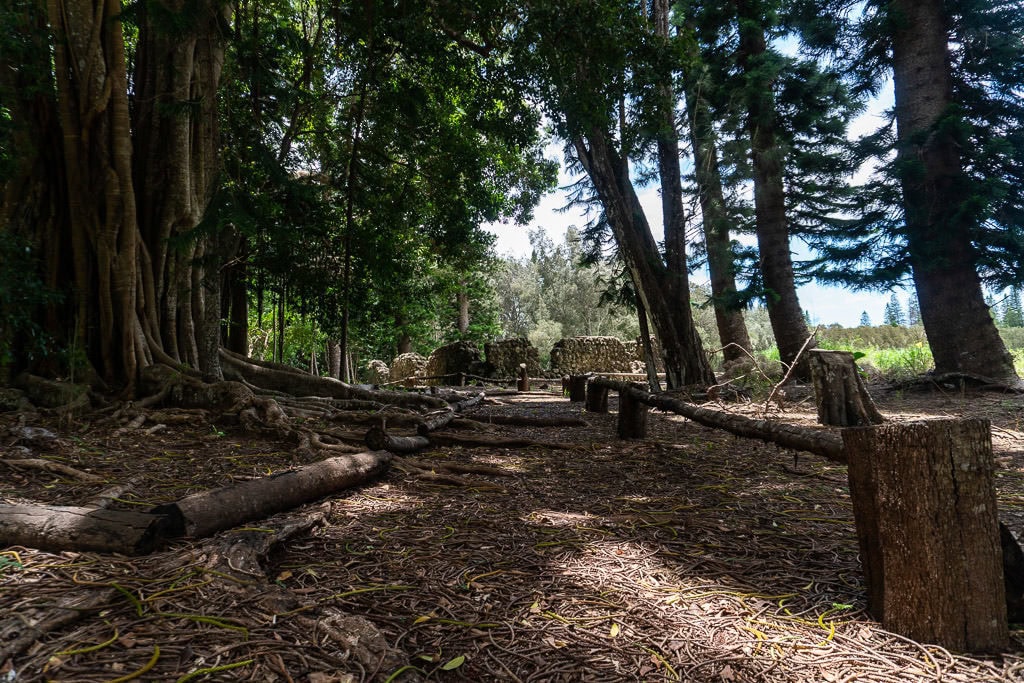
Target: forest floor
(692,555)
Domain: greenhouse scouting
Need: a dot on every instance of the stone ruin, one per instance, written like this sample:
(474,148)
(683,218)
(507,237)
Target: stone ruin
(504,358)
(377,372)
(577,355)
(451,359)
(635,349)
(407,365)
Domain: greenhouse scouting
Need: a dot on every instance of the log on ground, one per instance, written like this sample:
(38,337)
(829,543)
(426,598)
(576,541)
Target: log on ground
(56,528)
(925,508)
(206,513)
(820,442)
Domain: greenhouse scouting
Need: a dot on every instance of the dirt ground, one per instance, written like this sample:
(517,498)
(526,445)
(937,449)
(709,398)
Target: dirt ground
(692,555)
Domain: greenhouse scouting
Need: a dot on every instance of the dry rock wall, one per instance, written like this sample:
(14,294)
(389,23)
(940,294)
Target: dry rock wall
(576,355)
(377,372)
(451,359)
(504,358)
(407,365)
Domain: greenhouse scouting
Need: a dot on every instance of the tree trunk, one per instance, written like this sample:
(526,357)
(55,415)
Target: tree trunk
(685,362)
(462,299)
(732,329)
(776,262)
(925,506)
(645,341)
(177,161)
(960,330)
(206,513)
(237,297)
(334,358)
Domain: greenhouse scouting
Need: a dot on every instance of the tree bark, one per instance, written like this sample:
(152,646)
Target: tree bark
(960,329)
(776,262)
(685,362)
(56,528)
(462,299)
(925,506)
(206,513)
(732,329)
(842,398)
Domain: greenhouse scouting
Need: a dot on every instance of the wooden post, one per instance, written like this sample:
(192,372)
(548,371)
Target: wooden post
(577,388)
(925,509)
(843,400)
(632,417)
(524,378)
(460,379)
(597,398)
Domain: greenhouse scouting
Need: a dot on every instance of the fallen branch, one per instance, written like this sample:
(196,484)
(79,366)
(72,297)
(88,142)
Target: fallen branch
(50,466)
(820,442)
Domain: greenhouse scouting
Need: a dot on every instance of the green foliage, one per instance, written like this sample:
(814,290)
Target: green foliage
(22,297)
(552,287)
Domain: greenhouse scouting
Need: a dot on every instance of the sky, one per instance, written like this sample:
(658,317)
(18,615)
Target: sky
(826,304)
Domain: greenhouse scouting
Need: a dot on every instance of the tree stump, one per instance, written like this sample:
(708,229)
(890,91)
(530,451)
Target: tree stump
(632,417)
(925,509)
(577,388)
(843,400)
(597,398)
(524,378)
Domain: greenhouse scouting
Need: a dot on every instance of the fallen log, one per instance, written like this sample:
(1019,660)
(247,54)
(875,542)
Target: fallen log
(56,528)
(531,421)
(450,439)
(206,513)
(378,439)
(824,443)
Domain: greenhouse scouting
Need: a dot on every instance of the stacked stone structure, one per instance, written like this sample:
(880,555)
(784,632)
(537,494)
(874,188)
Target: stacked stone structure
(504,358)
(377,372)
(451,359)
(577,355)
(407,365)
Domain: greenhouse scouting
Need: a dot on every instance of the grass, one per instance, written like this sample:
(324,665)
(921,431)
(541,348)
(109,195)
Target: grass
(893,364)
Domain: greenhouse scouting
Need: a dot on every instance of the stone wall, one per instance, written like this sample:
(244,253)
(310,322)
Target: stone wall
(451,359)
(576,355)
(635,349)
(377,372)
(407,365)
(504,358)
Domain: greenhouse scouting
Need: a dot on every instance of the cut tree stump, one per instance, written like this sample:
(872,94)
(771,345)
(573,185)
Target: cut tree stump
(578,388)
(206,513)
(597,398)
(925,510)
(843,400)
(56,528)
(633,413)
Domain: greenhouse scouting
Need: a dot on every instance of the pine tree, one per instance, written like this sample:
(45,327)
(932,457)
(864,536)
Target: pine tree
(1013,314)
(893,315)
(865,319)
(913,310)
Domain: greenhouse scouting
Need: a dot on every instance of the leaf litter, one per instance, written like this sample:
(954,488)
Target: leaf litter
(691,555)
